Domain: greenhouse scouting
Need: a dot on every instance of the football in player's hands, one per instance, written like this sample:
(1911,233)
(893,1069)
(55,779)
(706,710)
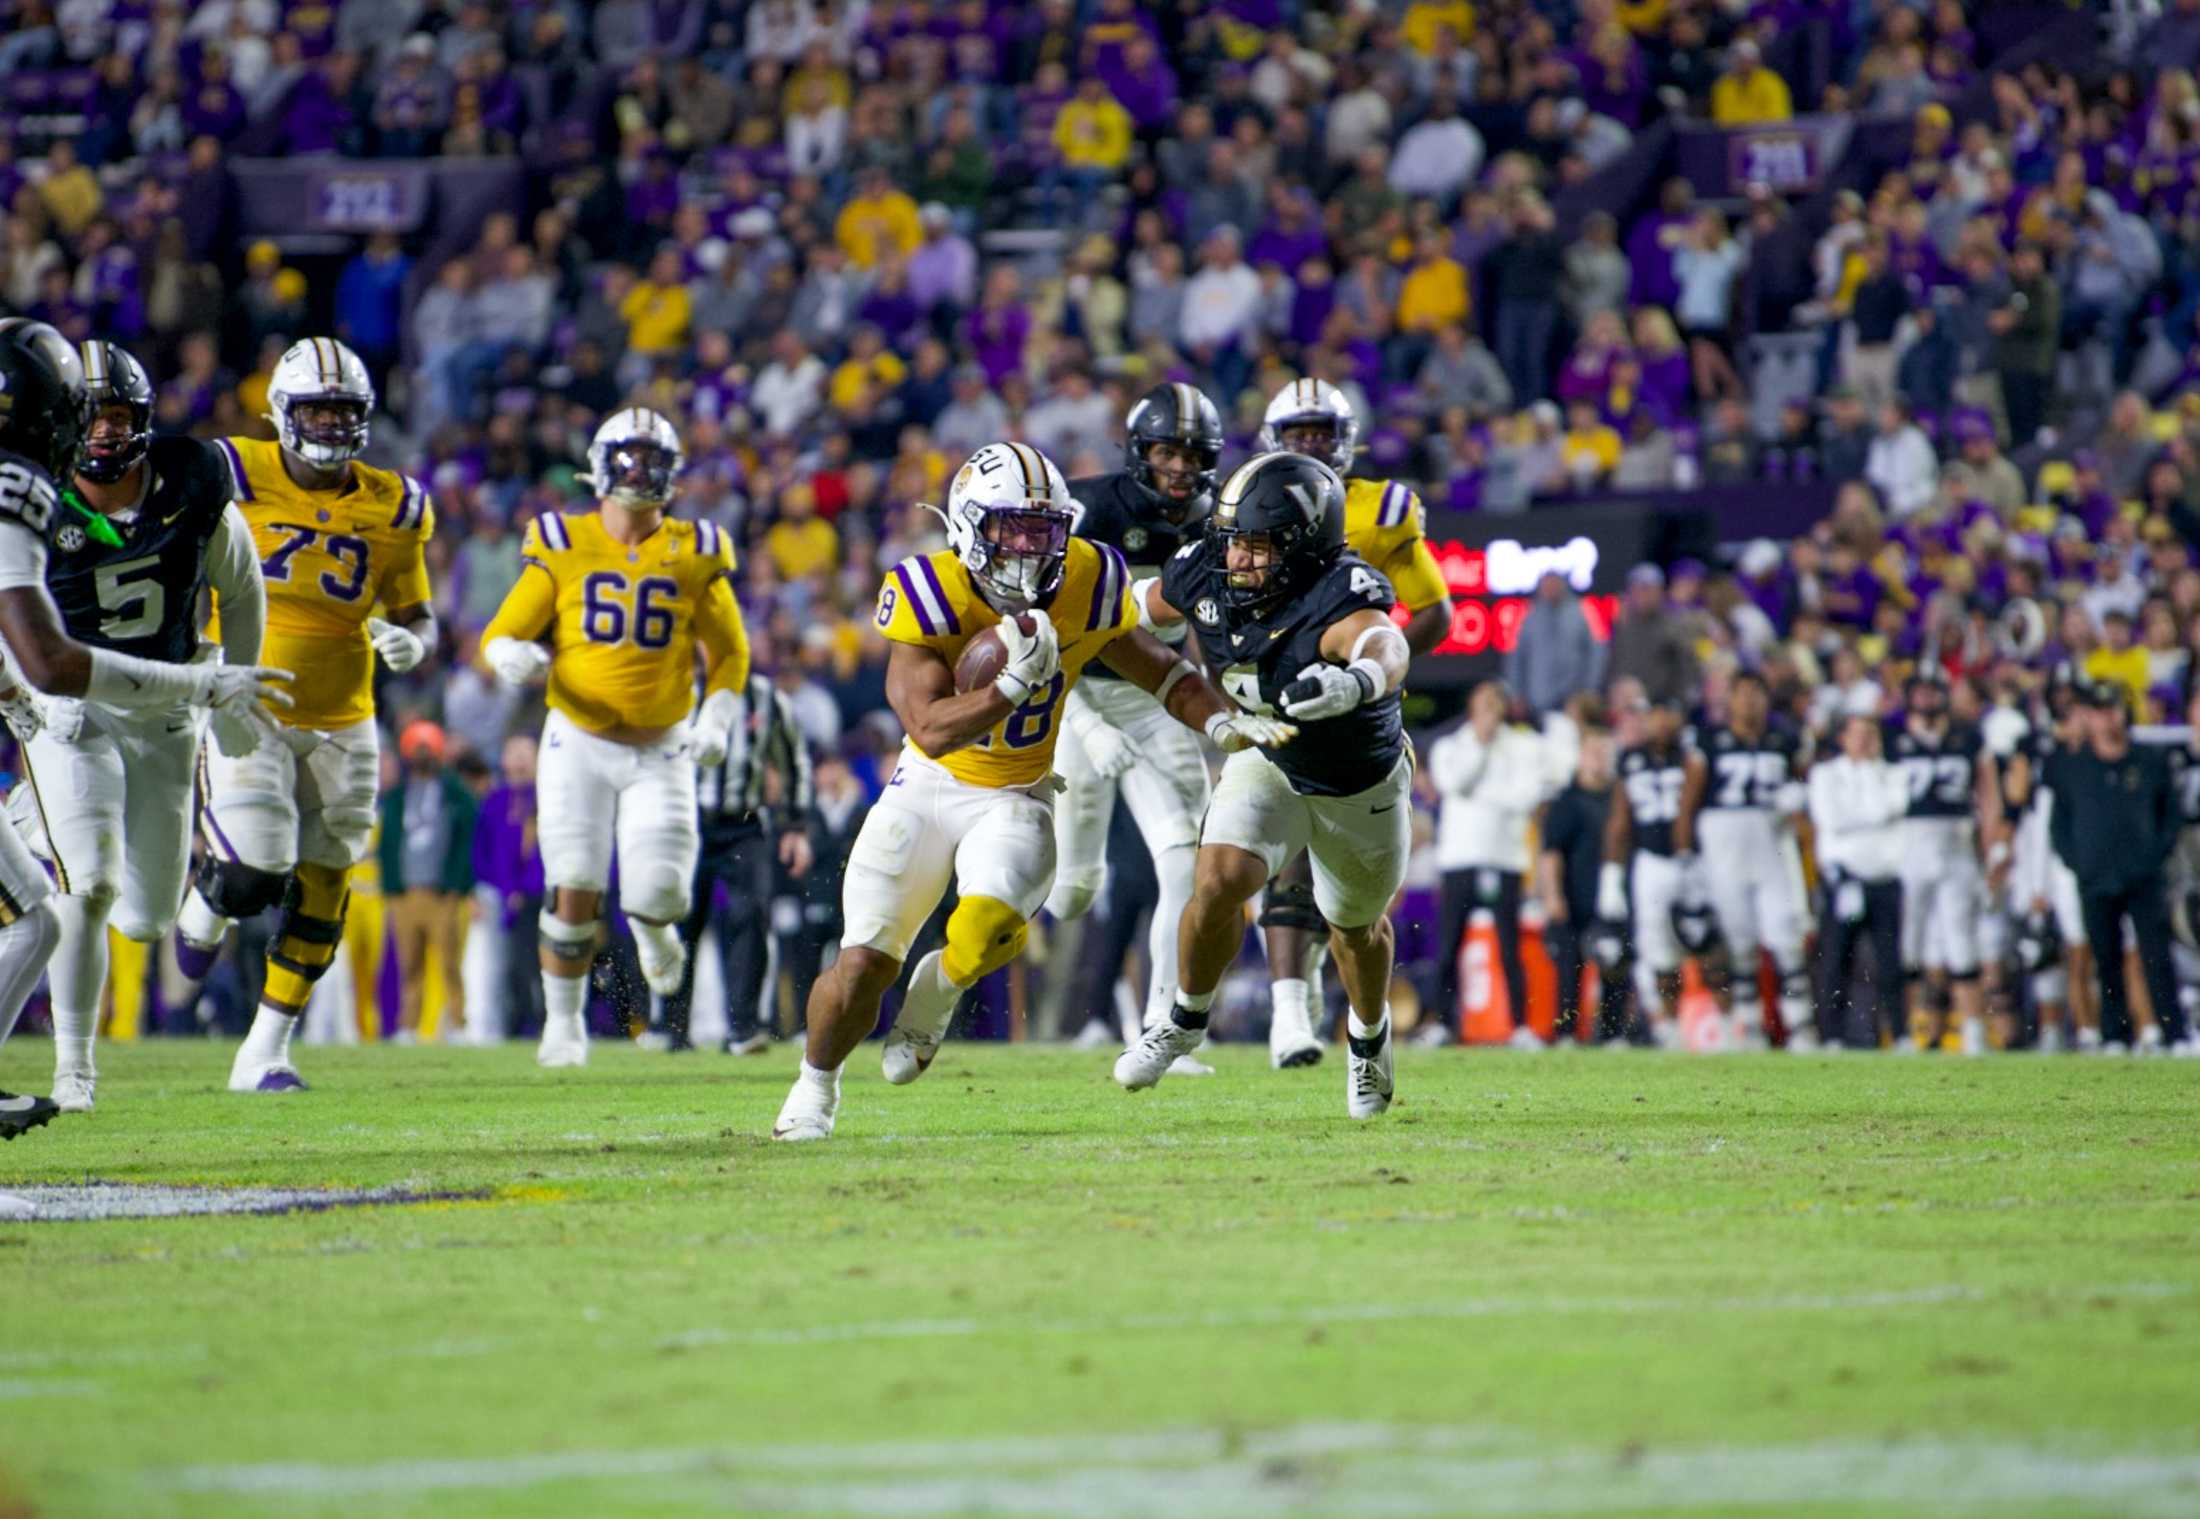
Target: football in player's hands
(986,656)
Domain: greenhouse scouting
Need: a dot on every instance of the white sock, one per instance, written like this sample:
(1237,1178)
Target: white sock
(1292,998)
(1172,869)
(824,1081)
(78,973)
(269,1041)
(25,946)
(563,998)
(659,942)
(1367,1030)
(200,923)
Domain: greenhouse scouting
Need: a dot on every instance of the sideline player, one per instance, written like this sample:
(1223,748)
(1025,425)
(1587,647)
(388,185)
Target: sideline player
(107,799)
(1649,853)
(42,430)
(970,800)
(1384,524)
(626,596)
(1952,787)
(1121,739)
(285,824)
(1753,790)
(1296,624)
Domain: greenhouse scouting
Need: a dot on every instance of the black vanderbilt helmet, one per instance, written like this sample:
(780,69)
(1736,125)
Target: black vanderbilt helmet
(43,410)
(113,377)
(1294,504)
(1179,414)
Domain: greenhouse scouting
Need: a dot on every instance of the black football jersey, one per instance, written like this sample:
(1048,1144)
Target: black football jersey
(1654,780)
(1941,776)
(1115,510)
(1746,774)
(1254,660)
(143,598)
(28,499)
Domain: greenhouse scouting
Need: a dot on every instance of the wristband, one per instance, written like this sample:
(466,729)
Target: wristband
(1373,680)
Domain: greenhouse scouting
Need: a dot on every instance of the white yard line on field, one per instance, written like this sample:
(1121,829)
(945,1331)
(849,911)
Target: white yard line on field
(1379,1471)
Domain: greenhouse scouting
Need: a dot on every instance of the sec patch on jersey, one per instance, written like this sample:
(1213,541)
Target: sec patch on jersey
(986,656)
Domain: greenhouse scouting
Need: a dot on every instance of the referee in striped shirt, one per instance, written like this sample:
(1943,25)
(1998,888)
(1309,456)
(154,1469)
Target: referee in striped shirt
(743,839)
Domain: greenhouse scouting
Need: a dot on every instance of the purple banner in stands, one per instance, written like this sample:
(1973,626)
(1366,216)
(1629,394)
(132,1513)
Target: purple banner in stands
(1789,157)
(360,197)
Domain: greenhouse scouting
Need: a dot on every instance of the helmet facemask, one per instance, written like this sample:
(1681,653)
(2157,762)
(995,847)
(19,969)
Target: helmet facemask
(324,430)
(637,473)
(1197,481)
(1016,554)
(1319,435)
(1255,588)
(116,440)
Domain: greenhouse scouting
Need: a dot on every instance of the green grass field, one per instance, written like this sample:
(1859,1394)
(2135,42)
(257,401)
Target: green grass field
(1568,1284)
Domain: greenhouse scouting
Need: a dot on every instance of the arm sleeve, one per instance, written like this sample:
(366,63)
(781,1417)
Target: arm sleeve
(1411,565)
(529,607)
(233,570)
(22,558)
(718,624)
(801,783)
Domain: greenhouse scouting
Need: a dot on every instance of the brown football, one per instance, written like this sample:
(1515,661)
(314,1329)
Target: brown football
(985,656)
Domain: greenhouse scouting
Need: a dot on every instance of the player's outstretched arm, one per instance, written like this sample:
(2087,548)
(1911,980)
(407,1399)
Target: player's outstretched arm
(57,665)
(1364,659)
(1146,662)
(1426,628)
(920,687)
(240,593)
(1153,608)
(509,644)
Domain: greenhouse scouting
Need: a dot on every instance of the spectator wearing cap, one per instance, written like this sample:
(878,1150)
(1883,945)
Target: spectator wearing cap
(427,859)
(1994,480)
(2114,823)
(1555,654)
(1748,93)
(1650,642)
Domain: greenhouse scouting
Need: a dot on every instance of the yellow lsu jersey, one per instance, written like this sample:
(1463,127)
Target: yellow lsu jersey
(929,599)
(330,558)
(1384,524)
(624,620)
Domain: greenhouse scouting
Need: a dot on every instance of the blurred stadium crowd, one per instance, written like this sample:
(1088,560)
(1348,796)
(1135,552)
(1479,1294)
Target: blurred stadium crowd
(845,243)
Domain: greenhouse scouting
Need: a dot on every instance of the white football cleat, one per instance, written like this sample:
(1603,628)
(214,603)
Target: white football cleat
(72,1091)
(2187,1048)
(662,976)
(1191,1065)
(1802,1041)
(809,1111)
(758,1043)
(1523,1038)
(562,1048)
(1156,1054)
(249,1075)
(1291,1041)
(1368,1081)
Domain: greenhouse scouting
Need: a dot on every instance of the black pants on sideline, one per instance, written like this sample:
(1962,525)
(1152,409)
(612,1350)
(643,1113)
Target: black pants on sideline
(2026,397)
(1463,892)
(2104,933)
(742,858)
(1569,943)
(1838,940)
(802,952)
(523,970)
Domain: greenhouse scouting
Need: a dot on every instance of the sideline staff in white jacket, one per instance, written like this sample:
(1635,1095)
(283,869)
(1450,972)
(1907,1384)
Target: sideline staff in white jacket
(1857,802)
(1491,777)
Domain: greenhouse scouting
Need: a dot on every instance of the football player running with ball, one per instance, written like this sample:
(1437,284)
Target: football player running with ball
(971,801)
(150,524)
(1120,740)
(287,820)
(44,413)
(1383,525)
(1298,626)
(626,596)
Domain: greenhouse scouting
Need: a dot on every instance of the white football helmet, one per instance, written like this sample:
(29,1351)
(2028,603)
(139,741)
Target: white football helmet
(1009,516)
(321,371)
(1304,403)
(635,457)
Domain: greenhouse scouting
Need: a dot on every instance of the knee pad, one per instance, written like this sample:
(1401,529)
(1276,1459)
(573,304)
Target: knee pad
(310,928)
(1292,906)
(655,895)
(982,936)
(572,945)
(1074,893)
(237,890)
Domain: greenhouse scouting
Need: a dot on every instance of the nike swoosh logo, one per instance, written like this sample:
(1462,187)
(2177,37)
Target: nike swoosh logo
(1379,811)
(1278,633)
(178,727)
(172,516)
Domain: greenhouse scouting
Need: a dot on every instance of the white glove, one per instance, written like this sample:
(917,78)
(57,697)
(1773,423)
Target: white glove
(517,661)
(722,712)
(1612,893)
(1232,731)
(1326,690)
(1108,750)
(64,718)
(1033,658)
(238,732)
(21,711)
(244,688)
(400,648)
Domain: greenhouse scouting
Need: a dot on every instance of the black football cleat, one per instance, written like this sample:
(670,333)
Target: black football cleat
(20,1115)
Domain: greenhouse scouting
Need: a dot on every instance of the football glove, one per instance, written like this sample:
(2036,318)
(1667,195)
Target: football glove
(401,648)
(1033,658)
(1326,690)
(1612,893)
(1232,731)
(21,711)
(243,687)
(517,661)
